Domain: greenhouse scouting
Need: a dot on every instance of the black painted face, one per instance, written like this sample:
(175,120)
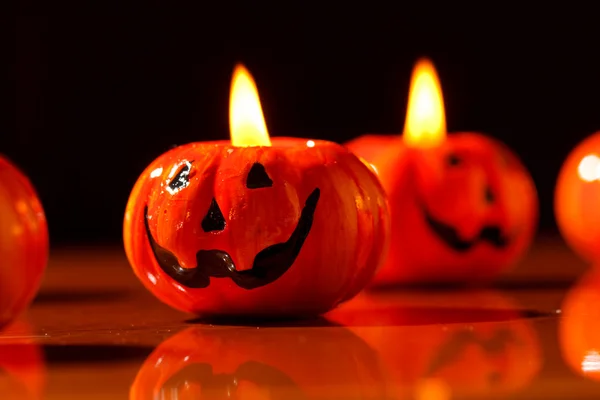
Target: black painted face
(457,343)
(226,385)
(269,264)
(490,234)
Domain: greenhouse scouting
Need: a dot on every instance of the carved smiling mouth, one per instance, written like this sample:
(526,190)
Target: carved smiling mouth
(268,266)
(491,234)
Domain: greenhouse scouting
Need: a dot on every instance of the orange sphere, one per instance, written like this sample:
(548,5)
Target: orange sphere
(269,363)
(23,242)
(577,196)
(289,230)
(462,211)
(475,344)
(579,326)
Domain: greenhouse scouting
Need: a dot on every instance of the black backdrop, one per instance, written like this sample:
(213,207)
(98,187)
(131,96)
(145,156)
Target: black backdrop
(98,97)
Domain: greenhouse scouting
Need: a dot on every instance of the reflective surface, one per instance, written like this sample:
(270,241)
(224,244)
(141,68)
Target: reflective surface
(94,332)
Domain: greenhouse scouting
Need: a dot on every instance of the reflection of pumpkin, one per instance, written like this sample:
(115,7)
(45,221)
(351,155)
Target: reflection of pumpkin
(475,343)
(23,242)
(576,198)
(290,229)
(22,371)
(461,211)
(266,363)
(579,332)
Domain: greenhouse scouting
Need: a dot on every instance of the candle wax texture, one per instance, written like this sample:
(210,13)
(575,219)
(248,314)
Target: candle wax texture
(577,196)
(474,358)
(23,242)
(289,230)
(261,363)
(461,211)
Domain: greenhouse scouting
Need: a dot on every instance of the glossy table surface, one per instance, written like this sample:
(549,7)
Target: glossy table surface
(94,332)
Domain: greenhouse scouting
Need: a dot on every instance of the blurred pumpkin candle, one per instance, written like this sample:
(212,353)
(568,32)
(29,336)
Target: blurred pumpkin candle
(23,242)
(256,226)
(463,206)
(576,198)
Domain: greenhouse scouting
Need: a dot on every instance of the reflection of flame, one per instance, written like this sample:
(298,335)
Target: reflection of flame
(425,118)
(433,389)
(591,362)
(589,168)
(246,121)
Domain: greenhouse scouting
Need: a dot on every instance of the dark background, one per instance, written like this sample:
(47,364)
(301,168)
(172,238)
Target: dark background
(98,97)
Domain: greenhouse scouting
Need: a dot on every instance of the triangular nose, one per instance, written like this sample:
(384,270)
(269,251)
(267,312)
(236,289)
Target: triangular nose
(258,178)
(489,195)
(213,220)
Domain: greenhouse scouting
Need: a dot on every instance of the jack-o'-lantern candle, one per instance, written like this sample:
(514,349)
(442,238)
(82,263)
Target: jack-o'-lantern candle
(579,335)
(270,363)
(576,199)
(463,206)
(474,344)
(257,226)
(23,242)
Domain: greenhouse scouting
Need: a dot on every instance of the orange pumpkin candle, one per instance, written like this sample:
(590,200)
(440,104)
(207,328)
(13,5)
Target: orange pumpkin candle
(23,242)
(463,206)
(256,226)
(576,199)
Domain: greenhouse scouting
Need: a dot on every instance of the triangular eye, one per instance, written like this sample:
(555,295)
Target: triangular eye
(213,220)
(258,178)
(489,195)
(453,160)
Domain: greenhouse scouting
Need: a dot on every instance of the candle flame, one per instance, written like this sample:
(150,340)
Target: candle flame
(425,117)
(247,125)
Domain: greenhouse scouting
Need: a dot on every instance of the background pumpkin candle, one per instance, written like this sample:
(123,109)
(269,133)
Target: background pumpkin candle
(256,226)
(463,206)
(576,199)
(23,242)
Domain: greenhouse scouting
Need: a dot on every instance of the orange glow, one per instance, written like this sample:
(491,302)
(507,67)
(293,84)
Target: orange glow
(433,389)
(589,168)
(425,117)
(591,362)
(247,125)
